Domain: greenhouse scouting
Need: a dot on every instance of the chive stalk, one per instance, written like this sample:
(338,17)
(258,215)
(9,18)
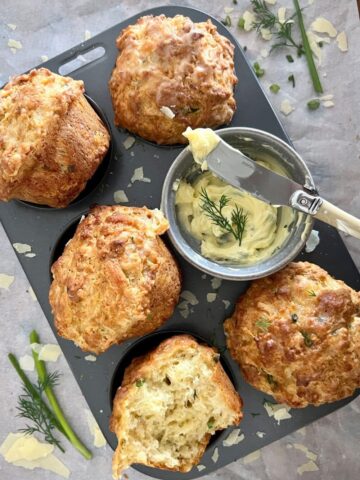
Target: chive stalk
(308,52)
(64,424)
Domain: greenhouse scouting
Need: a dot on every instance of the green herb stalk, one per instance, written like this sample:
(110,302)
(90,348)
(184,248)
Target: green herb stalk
(308,52)
(65,426)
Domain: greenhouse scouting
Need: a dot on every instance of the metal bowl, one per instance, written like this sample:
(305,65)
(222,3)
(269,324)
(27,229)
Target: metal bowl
(247,140)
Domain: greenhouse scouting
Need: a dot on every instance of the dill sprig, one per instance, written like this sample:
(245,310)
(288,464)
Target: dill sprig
(236,224)
(284,34)
(282,31)
(31,407)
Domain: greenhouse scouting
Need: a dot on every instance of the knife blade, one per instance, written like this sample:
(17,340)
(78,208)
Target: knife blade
(238,170)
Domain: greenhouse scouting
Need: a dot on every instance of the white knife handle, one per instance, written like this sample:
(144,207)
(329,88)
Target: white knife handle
(339,219)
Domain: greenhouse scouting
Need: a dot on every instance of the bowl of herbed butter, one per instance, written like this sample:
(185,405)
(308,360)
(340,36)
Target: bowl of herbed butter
(225,231)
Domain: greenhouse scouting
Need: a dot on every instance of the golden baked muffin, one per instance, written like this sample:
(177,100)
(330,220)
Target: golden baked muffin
(172,73)
(115,279)
(51,140)
(296,336)
(170,403)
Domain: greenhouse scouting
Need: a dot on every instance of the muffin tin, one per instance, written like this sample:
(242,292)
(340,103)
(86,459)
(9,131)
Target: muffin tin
(47,230)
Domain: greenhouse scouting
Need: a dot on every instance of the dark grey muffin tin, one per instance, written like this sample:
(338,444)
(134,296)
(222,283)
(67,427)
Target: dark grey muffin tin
(47,230)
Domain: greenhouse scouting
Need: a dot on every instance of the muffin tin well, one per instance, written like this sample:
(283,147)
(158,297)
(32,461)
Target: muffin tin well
(47,230)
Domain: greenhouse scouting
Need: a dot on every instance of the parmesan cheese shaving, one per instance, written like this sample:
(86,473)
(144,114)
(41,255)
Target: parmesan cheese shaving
(264,52)
(120,197)
(278,411)
(321,25)
(167,112)
(266,33)
(234,438)
(261,434)
(49,352)
(99,439)
(228,10)
(249,19)
(226,303)
(22,247)
(328,104)
(175,185)
(200,467)
(90,358)
(36,347)
(215,455)
(303,448)
(44,58)
(211,297)
(307,467)
(189,297)
(30,255)
(12,26)
(342,42)
(282,14)
(27,363)
(14,44)
(216,283)
(270,2)
(28,452)
(312,242)
(87,35)
(128,142)
(6,280)
(286,108)
(251,457)
(138,176)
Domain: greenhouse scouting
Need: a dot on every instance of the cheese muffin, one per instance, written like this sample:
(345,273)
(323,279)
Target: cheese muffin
(296,336)
(170,403)
(51,140)
(172,73)
(115,279)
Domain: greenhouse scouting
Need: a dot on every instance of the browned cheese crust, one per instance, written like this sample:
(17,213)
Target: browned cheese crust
(174,63)
(151,368)
(296,336)
(51,140)
(115,279)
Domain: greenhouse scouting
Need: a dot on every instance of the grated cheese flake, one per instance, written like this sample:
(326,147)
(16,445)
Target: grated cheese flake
(44,58)
(87,35)
(328,104)
(234,438)
(99,439)
(216,283)
(211,297)
(6,281)
(120,197)
(282,14)
(286,108)
(189,297)
(321,25)
(249,19)
(307,467)
(138,176)
(312,242)
(303,448)
(228,10)
(252,457)
(200,467)
(264,52)
(167,112)
(27,363)
(49,352)
(12,26)
(128,142)
(342,42)
(90,358)
(278,411)
(215,455)
(14,44)
(22,247)
(266,33)
(261,434)
(226,303)
(270,2)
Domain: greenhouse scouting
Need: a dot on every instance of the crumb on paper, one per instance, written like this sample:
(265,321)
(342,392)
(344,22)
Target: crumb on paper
(307,467)
(226,304)
(120,197)
(342,42)
(322,25)
(26,451)
(215,455)
(22,247)
(6,280)
(200,467)
(286,108)
(251,457)
(282,14)
(44,58)
(99,439)
(328,104)
(138,176)
(234,438)
(216,283)
(312,242)
(90,358)
(303,448)
(189,297)
(12,26)
(128,142)
(27,363)
(87,35)
(50,352)
(167,112)
(261,434)
(14,44)
(249,19)
(211,297)
(266,33)
(278,411)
